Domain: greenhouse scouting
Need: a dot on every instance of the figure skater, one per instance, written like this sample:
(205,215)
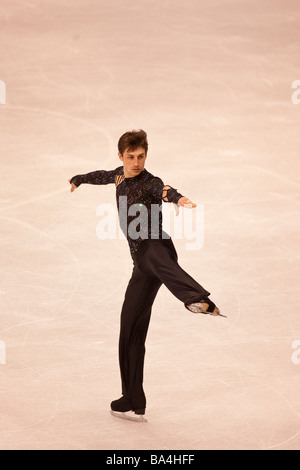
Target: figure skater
(154,262)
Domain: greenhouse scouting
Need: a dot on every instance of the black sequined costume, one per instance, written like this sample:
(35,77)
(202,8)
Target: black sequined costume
(142,190)
(155,263)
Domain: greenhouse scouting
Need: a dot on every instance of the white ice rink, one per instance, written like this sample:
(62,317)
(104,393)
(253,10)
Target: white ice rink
(211,83)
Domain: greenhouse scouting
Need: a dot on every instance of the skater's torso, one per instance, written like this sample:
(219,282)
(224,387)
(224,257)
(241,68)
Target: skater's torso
(139,202)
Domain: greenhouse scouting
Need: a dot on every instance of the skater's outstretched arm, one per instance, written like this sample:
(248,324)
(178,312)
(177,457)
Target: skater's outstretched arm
(95,177)
(170,194)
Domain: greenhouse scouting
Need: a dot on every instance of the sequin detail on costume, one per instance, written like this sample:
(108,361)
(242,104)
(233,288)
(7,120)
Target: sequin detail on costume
(119,179)
(141,192)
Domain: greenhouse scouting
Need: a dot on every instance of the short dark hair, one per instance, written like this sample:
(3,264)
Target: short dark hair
(132,140)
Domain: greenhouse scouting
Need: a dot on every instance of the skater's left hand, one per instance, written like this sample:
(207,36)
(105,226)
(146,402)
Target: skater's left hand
(185,202)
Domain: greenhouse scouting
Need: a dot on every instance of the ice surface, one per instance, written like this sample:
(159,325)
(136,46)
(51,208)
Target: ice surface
(211,83)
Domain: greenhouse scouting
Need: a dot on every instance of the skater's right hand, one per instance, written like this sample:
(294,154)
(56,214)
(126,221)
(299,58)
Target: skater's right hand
(73,186)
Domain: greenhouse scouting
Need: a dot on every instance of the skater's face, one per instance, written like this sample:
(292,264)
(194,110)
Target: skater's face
(133,161)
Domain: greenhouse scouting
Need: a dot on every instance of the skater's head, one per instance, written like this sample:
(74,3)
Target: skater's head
(133,148)
(131,140)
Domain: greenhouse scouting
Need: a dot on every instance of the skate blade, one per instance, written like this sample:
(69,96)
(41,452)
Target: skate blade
(201,308)
(130,415)
(217,314)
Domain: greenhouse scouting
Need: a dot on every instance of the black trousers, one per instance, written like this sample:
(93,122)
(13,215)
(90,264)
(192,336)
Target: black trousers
(155,264)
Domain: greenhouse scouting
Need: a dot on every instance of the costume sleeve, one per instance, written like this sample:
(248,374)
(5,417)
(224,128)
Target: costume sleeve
(165,192)
(95,177)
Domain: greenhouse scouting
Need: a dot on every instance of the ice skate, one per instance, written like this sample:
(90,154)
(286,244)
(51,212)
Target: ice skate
(130,415)
(122,409)
(205,306)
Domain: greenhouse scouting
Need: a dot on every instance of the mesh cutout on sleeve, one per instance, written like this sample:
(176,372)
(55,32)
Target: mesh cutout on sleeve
(165,193)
